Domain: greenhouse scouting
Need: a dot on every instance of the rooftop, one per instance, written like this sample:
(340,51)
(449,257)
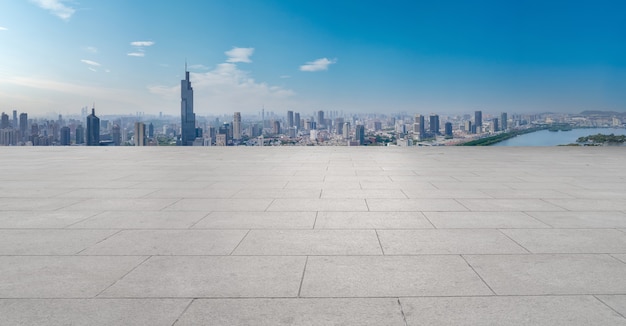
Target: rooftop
(313,236)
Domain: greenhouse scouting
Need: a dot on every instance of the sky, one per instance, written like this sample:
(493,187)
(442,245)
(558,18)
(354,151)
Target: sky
(351,56)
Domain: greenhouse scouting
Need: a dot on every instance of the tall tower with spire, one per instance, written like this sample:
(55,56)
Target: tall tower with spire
(187,117)
(93,128)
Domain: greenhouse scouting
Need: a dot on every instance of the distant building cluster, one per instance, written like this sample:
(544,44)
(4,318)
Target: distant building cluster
(267,128)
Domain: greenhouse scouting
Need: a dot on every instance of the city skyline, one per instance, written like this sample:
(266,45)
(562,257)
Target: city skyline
(347,56)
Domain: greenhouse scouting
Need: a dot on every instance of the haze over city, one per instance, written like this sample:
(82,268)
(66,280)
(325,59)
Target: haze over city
(366,56)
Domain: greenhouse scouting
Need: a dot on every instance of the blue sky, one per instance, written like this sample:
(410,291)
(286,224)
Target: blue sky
(352,56)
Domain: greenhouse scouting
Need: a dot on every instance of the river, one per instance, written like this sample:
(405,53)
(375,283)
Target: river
(555,138)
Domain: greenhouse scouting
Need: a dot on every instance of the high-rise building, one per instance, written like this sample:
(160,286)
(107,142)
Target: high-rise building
(496,125)
(116,135)
(23,125)
(276,127)
(504,121)
(360,134)
(478,122)
(320,119)
(346,130)
(93,129)
(468,127)
(378,125)
(418,127)
(237,126)
(80,134)
(140,134)
(339,126)
(15,119)
(296,122)
(150,130)
(65,136)
(4,121)
(290,119)
(434,124)
(448,129)
(187,117)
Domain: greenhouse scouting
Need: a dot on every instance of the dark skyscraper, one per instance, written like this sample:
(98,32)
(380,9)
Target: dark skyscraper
(151,130)
(503,121)
(478,122)
(419,126)
(296,118)
(14,119)
(80,134)
(448,129)
(320,119)
(4,121)
(434,124)
(290,119)
(93,129)
(187,117)
(496,125)
(65,136)
(23,126)
(360,134)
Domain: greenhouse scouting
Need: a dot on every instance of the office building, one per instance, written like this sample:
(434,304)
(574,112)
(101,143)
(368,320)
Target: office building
(504,121)
(297,122)
(496,125)
(320,119)
(23,125)
(237,126)
(80,135)
(346,130)
(434,124)
(116,135)
(150,130)
(448,129)
(360,134)
(93,129)
(65,136)
(15,119)
(4,121)
(276,127)
(418,127)
(187,117)
(140,134)
(468,127)
(290,122)
(478,122)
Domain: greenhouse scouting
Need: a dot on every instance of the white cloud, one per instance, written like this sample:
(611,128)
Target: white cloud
(92,69)
(136,54)
(317,65)
(91,49)
(3,28)
(56,7)
(239,55)
(142,43)
(199,67)
(227,88)
(89,62)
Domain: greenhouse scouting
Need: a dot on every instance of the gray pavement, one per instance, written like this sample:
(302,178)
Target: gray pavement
(313,236)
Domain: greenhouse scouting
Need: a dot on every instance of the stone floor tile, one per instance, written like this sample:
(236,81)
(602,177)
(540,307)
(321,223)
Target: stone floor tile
(311,205)
(106,193)
(309,242)
(590,204)
(371,220)
(440,241)
(212,276)
(450,194)
(94,312)
(509,205)
(479,220)
(257,220)
(169,242)
(305,311)
(172,193)
(61,276)
(551,274)
(42,219)
(617,302)
(40,204)
(226,205)
(141,220)
(582,219)
(414,205)
(570,240)
(106,204)
(49,241)
(621,257)
(372,276)
(362,193)
(278,193)
(503,311)
(526,194)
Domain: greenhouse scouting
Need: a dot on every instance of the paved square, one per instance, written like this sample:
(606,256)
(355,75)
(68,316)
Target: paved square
(313,236)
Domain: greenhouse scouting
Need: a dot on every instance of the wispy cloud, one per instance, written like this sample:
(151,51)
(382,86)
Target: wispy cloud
(285,76)
(91,49)
(228,87)
(3,28)
(56,7)
(92,69)
(317,65)
(89,62)
(239,55)
(140,48)
(142,43)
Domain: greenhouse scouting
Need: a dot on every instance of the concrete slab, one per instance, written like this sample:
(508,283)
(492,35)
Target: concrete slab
(616,302)
(482,220)
(141,220)
(95,312)
(226,205)
(535,310)
(257,220)
(42,219)
(551,274)
(211,277)
(49,242)
(477,241)
(414,205)
(309,242)
(119,204)
(510,205)
(582,219)
(308,205)
(61,276)
(275,312)
(371,220)
(371,276)
(168,242)
(570,240)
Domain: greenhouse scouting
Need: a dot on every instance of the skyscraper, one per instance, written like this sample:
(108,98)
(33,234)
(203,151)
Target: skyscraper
(478,122)
(140,134)
(80,134)
(4,121)
(116,135)
(237,126)
(187,117)
(503,121)
(496,125)
(290,119)
(320,119)
(419,127)
(434,124)
(23,125)
(65,136)
(93,129)
(360,134)
(14,119)
(296,118)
